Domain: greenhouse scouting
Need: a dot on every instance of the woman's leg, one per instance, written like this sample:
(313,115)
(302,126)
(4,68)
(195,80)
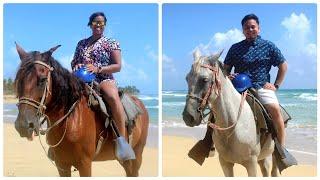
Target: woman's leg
(110,94)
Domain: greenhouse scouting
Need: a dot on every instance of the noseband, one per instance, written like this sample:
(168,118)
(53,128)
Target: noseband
(215,85)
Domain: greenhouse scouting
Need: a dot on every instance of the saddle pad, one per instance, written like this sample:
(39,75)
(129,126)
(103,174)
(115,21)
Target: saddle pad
(261,114)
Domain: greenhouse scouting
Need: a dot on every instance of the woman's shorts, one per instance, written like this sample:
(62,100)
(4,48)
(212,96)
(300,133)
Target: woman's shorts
(267,96)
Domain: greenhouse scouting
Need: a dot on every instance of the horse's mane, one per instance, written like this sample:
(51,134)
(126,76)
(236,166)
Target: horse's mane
(66,88)
(207,60)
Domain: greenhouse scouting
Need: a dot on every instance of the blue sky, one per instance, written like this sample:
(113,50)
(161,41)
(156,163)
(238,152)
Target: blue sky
(213,27)
(42,26)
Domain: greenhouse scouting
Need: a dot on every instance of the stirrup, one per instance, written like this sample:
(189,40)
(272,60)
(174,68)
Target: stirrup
(123,150)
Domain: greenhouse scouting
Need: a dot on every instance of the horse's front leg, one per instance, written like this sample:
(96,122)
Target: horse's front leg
(84,168)
(251,166)
(227,167)
(63,169)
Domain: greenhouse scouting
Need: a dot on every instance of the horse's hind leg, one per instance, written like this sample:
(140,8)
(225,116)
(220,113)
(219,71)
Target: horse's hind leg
(132,167)
(264,166)
(227,167)
(275,169)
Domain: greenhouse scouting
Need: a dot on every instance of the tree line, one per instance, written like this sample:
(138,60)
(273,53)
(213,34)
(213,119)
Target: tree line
(8,88)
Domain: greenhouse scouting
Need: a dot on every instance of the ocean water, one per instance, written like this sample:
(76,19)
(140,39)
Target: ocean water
(301,104)
(10,110)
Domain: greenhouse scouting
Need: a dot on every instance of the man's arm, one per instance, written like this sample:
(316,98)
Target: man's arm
(227,68)
(281,73)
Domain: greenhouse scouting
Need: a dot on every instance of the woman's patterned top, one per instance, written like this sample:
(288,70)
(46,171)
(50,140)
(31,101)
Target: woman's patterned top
(98,54)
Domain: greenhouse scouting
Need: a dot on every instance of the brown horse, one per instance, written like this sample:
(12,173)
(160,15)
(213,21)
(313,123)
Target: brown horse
(47,90)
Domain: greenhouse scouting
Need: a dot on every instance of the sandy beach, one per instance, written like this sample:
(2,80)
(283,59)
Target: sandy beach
(176,148)
(25,158)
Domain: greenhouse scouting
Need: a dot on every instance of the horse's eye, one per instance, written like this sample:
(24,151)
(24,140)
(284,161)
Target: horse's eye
(42,81)
(206,79)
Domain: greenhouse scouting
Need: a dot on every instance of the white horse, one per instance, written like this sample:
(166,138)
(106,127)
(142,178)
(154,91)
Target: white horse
(235,134)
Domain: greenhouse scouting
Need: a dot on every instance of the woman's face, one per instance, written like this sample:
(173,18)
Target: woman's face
(97,25)
(251,29)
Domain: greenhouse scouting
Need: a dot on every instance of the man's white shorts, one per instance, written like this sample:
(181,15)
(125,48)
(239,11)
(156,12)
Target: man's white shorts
(267,96)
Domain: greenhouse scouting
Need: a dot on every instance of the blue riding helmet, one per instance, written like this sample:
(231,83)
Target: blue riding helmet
(84,75)
(242,82)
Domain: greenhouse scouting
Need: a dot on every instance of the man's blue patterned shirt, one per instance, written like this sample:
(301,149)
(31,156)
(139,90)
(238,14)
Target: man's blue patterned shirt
(255,59)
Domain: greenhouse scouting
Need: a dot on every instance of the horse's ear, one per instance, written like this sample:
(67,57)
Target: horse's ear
(53,49)
(22,53)
(196,54)
(215,57)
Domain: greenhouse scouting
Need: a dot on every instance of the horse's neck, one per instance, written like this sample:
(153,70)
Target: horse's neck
(226,105)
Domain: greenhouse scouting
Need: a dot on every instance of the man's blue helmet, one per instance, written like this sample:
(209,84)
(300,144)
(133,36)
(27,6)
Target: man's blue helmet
(242,82)
(84,75)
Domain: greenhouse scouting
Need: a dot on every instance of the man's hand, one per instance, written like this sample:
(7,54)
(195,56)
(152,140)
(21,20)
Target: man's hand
(270,86)
(232,76)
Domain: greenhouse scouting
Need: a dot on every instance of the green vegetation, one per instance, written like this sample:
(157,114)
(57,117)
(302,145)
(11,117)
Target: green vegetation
(8,86)
(130,90)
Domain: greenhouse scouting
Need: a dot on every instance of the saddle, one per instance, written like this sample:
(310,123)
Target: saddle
(262,117)
(97,103)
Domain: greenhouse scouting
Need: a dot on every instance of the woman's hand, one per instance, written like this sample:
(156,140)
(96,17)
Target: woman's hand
(269,86)
(232,76)
(91,68)
(77,66)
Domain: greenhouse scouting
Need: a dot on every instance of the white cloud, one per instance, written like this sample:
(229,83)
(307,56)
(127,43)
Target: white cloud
(219,41)
(167,64)
(296,37)
(151,54)
(130,73)
(296,24)
(310,50)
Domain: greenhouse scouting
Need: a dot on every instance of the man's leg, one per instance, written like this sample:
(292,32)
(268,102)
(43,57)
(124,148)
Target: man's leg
(274,110)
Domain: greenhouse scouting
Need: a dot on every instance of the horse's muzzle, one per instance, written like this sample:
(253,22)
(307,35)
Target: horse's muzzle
(189,119)
(25,129)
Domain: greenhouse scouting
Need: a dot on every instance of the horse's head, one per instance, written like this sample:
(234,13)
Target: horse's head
(33,88)
(203,86)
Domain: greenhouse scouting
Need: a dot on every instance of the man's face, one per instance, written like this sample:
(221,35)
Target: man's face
(251,29)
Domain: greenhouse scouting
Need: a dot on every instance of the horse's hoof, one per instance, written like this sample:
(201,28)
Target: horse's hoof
(212,152)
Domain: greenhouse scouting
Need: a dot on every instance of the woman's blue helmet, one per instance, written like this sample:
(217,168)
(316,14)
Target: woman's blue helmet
(84,75)
(242,82)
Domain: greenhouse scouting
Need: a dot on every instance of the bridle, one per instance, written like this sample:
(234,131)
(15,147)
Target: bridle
(215,86)
(41,107)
